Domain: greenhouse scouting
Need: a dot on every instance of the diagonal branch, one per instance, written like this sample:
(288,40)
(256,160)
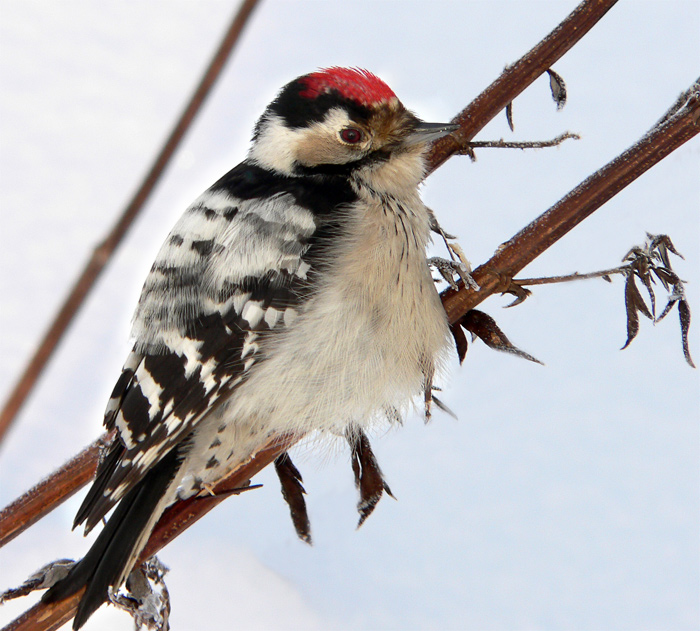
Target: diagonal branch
(495,275)
(104,251)
(41,499)
(515,78)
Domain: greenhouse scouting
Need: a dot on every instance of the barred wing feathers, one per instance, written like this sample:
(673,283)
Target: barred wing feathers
(232,271)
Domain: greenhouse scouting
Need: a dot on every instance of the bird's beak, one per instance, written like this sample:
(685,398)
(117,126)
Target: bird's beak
(427,132)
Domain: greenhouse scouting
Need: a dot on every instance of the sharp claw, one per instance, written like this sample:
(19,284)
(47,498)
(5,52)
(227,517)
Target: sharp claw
(447,269)
(293,493)
(369,479)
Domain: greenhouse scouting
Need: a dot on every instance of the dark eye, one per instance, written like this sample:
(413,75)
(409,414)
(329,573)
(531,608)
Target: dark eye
(351,135)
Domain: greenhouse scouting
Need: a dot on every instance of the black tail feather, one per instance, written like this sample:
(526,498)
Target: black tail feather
(102,476)
(114,547)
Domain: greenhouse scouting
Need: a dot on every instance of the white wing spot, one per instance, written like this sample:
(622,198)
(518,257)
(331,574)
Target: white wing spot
(252,312)
(150,389)
(249,345)
(172,423)
(304,267)
(124,430)
(289,316)
(272,315)
(133,361)
(168,407)
(239,301)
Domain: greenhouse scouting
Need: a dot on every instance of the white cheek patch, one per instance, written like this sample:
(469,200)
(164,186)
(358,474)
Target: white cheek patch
(279,148)
(275,147)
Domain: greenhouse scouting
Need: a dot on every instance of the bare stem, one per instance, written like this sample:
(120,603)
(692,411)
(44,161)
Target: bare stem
(496,274)
(103,252)
(530,144)
(516,77)
(549,280)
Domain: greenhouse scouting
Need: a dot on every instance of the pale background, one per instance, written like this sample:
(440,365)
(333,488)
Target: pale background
(565,497)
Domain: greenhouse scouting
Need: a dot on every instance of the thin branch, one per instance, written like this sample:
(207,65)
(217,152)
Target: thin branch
(41,499)
(496,274)
(103,252)
(549,280)
(517,77)
(529,144)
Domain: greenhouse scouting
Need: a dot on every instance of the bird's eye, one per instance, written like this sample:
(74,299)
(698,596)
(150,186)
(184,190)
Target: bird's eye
(351,135)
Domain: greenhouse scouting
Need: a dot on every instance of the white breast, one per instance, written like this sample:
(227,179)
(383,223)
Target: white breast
(364,344)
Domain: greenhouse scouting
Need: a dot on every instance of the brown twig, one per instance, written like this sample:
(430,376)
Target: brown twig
(495,275)
(565,278)
(528,144)
(103,252)
(49,493)
(517,77)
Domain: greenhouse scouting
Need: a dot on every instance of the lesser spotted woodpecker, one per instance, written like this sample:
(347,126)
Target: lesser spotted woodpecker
(293,296)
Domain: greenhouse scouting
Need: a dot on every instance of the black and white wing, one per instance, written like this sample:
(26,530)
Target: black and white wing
(233,270)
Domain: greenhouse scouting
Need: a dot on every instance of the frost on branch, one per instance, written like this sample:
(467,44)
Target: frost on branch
(43,578)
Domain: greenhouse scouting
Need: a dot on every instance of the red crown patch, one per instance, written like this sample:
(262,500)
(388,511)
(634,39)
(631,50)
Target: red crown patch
(355,84)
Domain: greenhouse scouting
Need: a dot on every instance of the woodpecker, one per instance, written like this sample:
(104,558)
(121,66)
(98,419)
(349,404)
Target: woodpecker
(293,296)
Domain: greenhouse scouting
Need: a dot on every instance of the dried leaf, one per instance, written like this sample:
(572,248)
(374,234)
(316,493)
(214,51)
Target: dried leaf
(485,328)
(509,115)
(558,88)
(669,245)
(630,306)
(607,278)
(646,279)
(672,299)
(634,299)
(661,245)
(684,314)
(666,276)
(460,341)
(293,493)
(369,479)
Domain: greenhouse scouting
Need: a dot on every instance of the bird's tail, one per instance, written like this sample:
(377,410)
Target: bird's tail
(114,553)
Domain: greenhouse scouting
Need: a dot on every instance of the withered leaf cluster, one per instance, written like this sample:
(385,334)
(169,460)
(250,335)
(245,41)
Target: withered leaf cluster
(650,264)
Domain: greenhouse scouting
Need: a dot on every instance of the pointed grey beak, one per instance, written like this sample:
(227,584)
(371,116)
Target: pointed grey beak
(427,132)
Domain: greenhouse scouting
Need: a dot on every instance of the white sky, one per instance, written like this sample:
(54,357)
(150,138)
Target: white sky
(566,496)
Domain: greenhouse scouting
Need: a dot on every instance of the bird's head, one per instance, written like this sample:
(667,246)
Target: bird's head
(339,121)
